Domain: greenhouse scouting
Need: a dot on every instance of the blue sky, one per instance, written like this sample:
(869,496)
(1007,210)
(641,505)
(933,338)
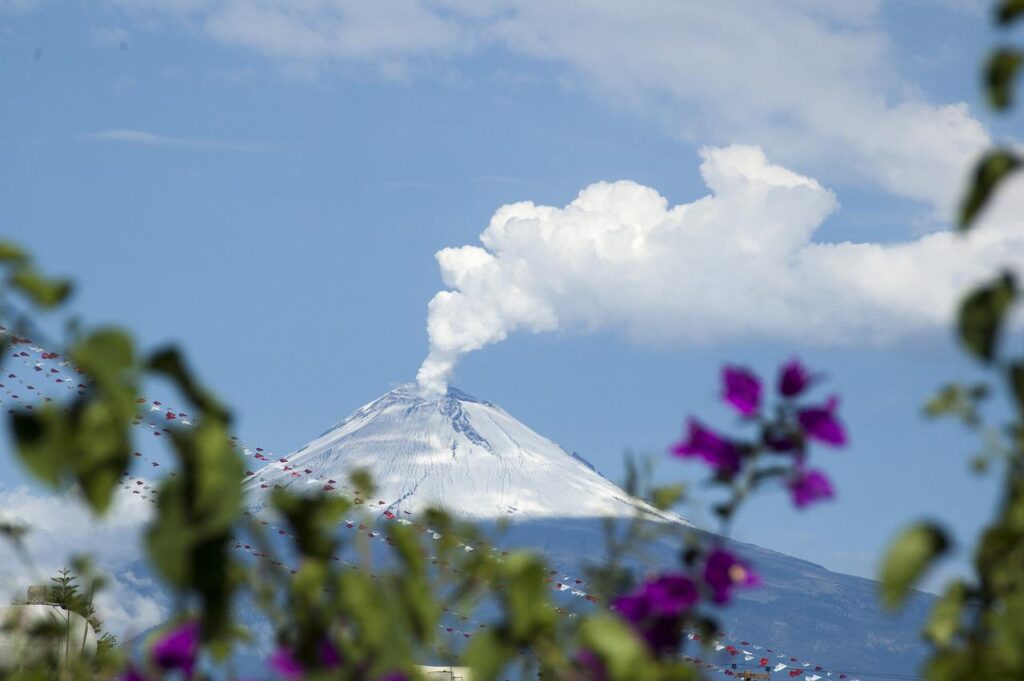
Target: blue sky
(269,184)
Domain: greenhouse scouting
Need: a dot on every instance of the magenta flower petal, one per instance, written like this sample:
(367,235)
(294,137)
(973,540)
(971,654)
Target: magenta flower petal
(708,445)
(742,389)
(810,486)
(670,594)
(821,423)
(632,608)
(284,663)
(591,665)
(723,572)
(178,648)
(794,378)
(654,609)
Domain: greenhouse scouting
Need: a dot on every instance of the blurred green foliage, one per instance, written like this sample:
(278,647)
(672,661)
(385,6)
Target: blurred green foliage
(977,627)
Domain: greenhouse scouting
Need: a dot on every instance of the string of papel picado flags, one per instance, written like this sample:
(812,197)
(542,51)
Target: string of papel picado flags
(156,416)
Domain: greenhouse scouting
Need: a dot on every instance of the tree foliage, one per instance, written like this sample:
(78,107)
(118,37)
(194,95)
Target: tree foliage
(975,629)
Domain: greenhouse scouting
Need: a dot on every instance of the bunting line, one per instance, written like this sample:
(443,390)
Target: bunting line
(64,375)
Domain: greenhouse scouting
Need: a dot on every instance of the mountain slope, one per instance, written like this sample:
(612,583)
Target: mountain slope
(475,460)
(456,452)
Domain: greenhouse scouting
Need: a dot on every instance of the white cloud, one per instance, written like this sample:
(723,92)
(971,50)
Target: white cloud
(300,30)
(141,137)
(18,6)
(128,607)
(61,527)
(343,30)
(738,263)
(811,81)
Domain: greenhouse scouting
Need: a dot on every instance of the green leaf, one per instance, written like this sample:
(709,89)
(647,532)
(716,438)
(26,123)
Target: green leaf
(203,501)
(670,495)
(169,362)
(188,540)
(958,400)
(313,519)
(414,591)
(169,538)
(1000,74)
(488,652)
(907,559)
(90,444)
(43,291)
(990,171)
(408,549)
(9,252)
(944,622)
(362,482)
(981,316)
(624,656)
(529,613)
(215,471)
(44,440)
(1008,11)
(1016,376)
(102,450)
(107,355)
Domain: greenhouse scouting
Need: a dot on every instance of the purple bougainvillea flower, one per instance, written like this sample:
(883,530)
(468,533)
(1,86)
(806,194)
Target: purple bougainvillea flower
(178,648)
(794,378)
(131,674)
(670,594)
(288,666)
(741,389)
(723,572)
(283,662)
(328,654)
(633,608)
(822,424)
(393,676)
(703,442)
(662,633)
(654,609)
(810,486)
(591,665)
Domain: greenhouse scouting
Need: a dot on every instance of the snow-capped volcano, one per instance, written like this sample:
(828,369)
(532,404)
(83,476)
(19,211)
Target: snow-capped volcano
(455,452)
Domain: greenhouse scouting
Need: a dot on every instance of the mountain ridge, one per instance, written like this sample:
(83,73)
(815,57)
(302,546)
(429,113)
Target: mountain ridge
(455,452)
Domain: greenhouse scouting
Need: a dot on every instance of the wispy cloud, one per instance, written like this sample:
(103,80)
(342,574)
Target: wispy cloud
(17,6)
(150,139)
(813,82)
